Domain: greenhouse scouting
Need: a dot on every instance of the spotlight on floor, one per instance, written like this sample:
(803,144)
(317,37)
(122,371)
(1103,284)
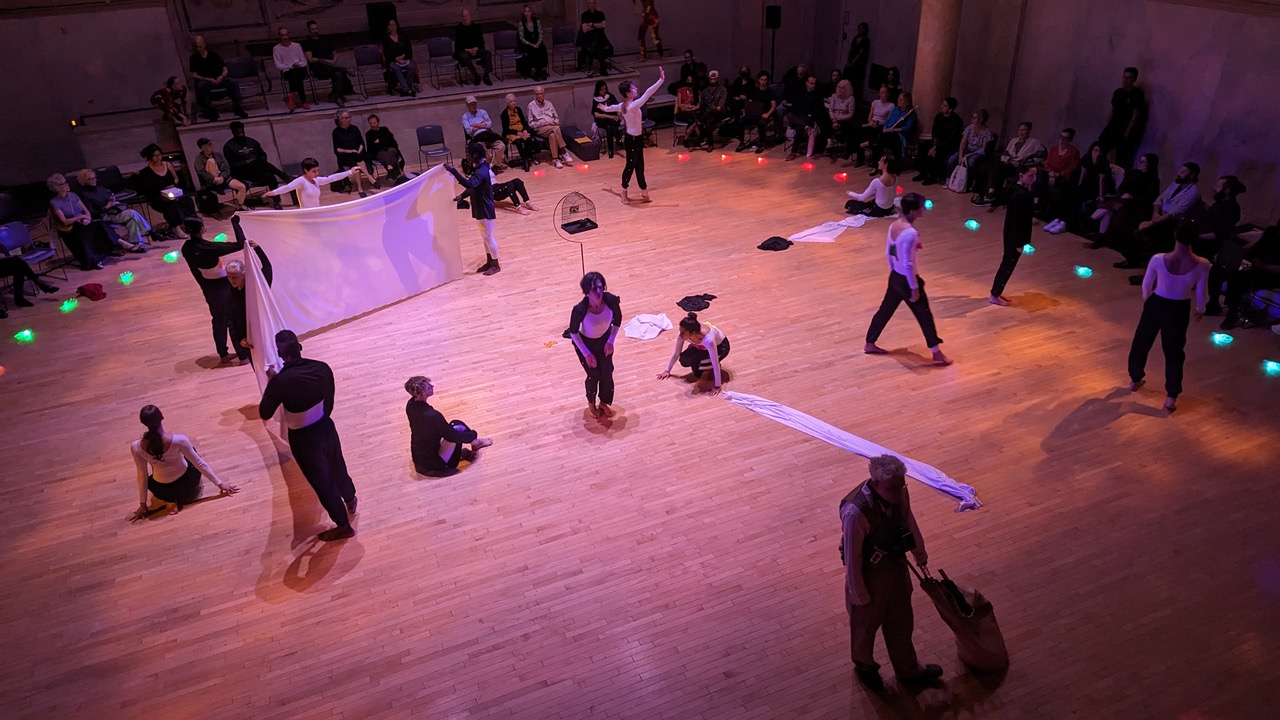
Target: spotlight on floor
(761,161)
(539,173)
(172,256)
(1271,367)
(971,225)
(126,277)
(68,305)
(808,166)
(1084,272)
(724,158)
(683,157)
(584,167)
(1222,339)
(899,189)
(841,177)
(24,336)
(928,204)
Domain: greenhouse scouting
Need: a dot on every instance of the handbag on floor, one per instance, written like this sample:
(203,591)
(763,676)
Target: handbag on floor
(972,619)
(959,179)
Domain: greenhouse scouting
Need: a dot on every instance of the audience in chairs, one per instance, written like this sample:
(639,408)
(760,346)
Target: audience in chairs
(214,173)
(210,73)
(1058,179)
(1097,183)
(1219,220)
(1245,268)
(759,111)
(714,101)
(545,121)
(1177,203)
(898,130)
(321,63)
(171,101)
(349,150)
(291,61)
(946,133)
(870,131)
(686,110)
(532,63)
(593,45)
(608,123)
(1021,150)
(249,162)
(87,240)
(469,50)
(19,272)
(515,130)
(839,116)
(975,142)
(1118,218)
(158,182)
(397,58)
(383,148)
(477,126)
(804,116)
(103,207)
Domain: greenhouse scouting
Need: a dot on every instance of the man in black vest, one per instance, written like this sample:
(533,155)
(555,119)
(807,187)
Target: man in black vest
(879,530)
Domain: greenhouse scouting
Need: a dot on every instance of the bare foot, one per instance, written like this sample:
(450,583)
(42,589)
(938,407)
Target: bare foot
(595,411)
(644,195)
(941,360)
(606,410)
(174,509)
(481,443)
(999,300)
(530,206)
(522,210)
(1170,404)
(1135,384)
(873,349)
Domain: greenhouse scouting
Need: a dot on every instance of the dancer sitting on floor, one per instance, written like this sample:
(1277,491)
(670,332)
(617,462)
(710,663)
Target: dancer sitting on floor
(593,328)
(436,445)
(308,183)
(707,347)
(877,199)
(513,190)
(169,467)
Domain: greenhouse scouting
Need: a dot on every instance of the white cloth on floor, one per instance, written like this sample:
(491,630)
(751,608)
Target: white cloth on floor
(828,232)
(810,425)
(646,327)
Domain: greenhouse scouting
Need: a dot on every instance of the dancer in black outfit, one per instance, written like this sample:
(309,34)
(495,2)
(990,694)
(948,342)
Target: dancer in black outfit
(436,445)
(204,259)
(1017,231)
(593,328)
(305,388)
(239,304)
(479,186)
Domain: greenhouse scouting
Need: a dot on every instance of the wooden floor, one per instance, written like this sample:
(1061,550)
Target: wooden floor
(680,562)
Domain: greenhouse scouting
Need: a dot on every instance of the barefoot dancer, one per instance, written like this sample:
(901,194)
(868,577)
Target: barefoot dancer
(707,347)
(901,246)
(633,141)
(593,327)
(174,467)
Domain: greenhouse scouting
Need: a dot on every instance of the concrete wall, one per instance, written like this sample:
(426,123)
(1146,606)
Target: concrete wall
(894,26)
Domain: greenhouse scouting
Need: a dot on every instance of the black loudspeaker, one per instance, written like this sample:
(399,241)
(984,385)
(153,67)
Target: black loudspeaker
(772,17)
(380,13)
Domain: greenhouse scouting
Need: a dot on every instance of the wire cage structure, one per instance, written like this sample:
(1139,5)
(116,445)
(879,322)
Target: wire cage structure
(575,214)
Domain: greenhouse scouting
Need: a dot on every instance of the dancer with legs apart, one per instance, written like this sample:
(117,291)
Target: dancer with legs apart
(1017,231)
(593,328)
(1173,279)
(436,445)
(633,140)
(902,247)
(168,467)
(305,388)
(708,346)
(480,187)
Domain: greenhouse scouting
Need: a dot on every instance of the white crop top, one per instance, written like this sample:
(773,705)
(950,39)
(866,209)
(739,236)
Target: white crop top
(883,194)
(309,192)
(174,462)
(1177,287)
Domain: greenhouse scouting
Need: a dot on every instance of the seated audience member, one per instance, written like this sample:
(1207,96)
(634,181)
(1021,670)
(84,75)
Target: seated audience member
(840,106)
(795,81)
(307,185)
(870,131)
(383,147)
(1176,203)
(759,112)
(946,133)
(248,160)
(1118,218)
(686,111)
(607,123)
(828,88)
(1219,220)
(804,117)
(1069,202)
(397,58)
(104,207)
(169,467)
(436,446)
(877,199)
(171,101)
(323,66)
(19,272)
(291,61)
(158,182)
(688,69)
(87,240)
(239,320)
(899,127)
(545,121)
(1123,130)
(469,49)
(593,44)
(1021,150)
(513,190)
(210,73)
(215,173)
(975,141)
(1058,179)
(515,130)
(893,81)
(740,88)
(349,150)
(532,63)
(1245,268)
(478,127)
(713,102)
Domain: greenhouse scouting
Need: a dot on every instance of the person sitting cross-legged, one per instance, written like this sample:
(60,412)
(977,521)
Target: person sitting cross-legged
(435,445)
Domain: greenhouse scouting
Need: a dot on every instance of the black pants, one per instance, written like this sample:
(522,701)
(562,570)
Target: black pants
(1112,138)
(634,145)
(934,167)
(897,293)
(697,359)
(432,464)
(88,244)
(527,147)
(1008,261)
(868,208)
(611,130)
(599,377)
(318,451)
(391,158)
(204,96)
(217,295)
(260,172)
(174,211)
(183,491)
(1240,284)
(339,75)
(21,272)
(296,78)
(514,189)
(469,61)
(1168,319)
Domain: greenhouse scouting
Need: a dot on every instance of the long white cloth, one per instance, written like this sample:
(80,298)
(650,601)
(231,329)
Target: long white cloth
(829,231)
(646,327)
(927,474)
(335,262)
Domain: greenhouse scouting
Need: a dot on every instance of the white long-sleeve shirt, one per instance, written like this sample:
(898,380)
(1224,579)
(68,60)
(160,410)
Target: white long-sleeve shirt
(882,193)
(631,111)
(285,57)
(901,253)
(309,192)
(1160,281)
(544,114)
(710,343)
(171,466)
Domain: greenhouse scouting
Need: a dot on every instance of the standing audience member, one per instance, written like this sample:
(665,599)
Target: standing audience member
(204,259)
(593,44)
(480,187)
(305,389)
(532,62)
(515,129)
(649,22)
(608,123)
(215,173)
(1017,230)
(436,446)
(469,49)
(291,61)
(168,467)
(1172,280)
(708,347)
(210,73)
(158,182)
(878,529)
(323,66)
(947,132)
(855,68)
(1059,176)
(545,121)
(478,127)
(593,328)
(1175,204)
(630,108)
(382,146)
(349,149)
(104,207)
(249,162)
(87,240)
(1123,130)
(397,55)
(171,101)
(1022,149)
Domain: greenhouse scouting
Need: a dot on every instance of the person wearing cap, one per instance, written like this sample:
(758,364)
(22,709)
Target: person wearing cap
(215,173)
(305,389)
(479,186)
(478,127)
(714,99)
(204,258)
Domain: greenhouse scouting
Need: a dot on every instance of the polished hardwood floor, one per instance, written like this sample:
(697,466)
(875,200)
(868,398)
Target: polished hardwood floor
(680,561)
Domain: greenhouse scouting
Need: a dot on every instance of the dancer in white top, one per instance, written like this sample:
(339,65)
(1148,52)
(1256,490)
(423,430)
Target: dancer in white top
(883,189)
(175,467)
(901,247)
(707,347)
(633,141)
(308,183)
(1172,279)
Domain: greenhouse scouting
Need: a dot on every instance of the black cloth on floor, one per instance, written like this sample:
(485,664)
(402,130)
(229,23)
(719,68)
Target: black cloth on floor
(696,303)
(774,243)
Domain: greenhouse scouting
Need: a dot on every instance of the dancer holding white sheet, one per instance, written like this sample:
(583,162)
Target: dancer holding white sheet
(479,187)
(308,183)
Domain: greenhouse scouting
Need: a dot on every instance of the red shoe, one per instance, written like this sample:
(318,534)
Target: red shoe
(306,106)
(290,102)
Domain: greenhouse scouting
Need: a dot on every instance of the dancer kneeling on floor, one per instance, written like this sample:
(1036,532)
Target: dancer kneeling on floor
(707,347)
(593,328)
(436,445)
(175,467)
(877,199)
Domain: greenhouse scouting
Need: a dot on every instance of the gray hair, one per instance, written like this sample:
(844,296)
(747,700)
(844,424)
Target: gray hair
(234,266)
(886,467)
(54,181)
(511,96)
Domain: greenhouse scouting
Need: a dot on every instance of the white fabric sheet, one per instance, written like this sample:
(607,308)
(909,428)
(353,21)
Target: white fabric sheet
(646,327)
(927,474)
(335,262)
(829,231)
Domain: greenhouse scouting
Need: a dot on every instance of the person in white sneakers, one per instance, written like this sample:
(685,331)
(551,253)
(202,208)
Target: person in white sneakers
(545,121)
